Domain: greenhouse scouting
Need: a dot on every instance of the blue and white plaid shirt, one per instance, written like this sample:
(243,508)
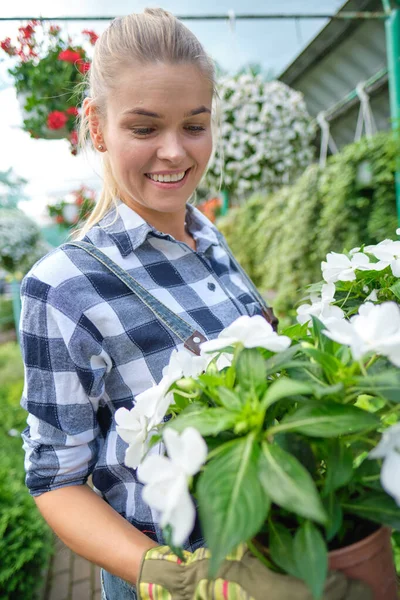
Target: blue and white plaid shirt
(90,346)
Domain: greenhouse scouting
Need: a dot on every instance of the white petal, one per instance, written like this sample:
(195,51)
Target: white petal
(182,520)
(328,291)
(395,266)
(134,454)
(217,344)
(187,450)
(389,441)
(156,468)
(390,475)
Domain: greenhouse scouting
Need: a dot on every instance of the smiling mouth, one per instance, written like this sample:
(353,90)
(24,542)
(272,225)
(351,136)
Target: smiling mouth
(172,178)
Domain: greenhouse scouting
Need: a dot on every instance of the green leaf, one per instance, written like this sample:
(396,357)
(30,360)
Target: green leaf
(311,556)
(281,548)
(281,361)
(396,289)
(378,507)
(328,419)
(289,484)
(328,362)
(232,502)
(207,421)
(250,371)
(335,516)
(295,331)
(339,466)
(284,388)
(385,384)
(324,343)
(229,399)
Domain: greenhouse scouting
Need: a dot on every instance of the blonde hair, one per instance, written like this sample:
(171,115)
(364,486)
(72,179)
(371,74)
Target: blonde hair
(143,38)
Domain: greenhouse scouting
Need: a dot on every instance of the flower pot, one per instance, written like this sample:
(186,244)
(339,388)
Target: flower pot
(371,561)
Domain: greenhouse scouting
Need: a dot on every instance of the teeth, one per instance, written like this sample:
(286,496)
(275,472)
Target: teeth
(167,178)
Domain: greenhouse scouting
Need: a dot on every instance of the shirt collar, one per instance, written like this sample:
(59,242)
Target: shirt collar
(128,230)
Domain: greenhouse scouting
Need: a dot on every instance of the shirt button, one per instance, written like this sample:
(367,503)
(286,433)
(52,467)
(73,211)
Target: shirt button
(211,286)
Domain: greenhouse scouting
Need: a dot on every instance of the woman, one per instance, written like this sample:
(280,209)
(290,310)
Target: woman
(89,344)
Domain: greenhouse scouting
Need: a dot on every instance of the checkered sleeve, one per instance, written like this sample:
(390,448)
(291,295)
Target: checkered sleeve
(65,366)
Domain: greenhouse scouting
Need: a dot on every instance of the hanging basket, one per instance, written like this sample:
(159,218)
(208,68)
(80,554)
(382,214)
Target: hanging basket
(44,133)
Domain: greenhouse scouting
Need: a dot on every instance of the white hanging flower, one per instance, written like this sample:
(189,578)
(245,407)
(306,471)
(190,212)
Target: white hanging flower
(388,254)
(166,480)
(389,449)
(375,329)
(320,307)
(252,332)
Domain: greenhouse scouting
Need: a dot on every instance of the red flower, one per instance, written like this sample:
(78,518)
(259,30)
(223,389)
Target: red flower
(72,110)
(26,32)
(54,29)
(79,200)
(56,119)
(83,66)
(93,37)
(59,219)
(7,47)
(69,56)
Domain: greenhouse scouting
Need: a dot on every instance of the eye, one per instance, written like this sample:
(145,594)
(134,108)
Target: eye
(195,128)
(142,131)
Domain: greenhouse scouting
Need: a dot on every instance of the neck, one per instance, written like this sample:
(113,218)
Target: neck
(172,224)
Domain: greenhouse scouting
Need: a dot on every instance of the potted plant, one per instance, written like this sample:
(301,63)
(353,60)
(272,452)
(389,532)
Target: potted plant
(289,442)
(74,208)
(47,73)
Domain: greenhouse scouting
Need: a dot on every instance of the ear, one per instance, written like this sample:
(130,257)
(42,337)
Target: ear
(95,128)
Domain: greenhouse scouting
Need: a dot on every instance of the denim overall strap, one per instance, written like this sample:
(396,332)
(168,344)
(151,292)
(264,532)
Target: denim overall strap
(189,336)
(266,310)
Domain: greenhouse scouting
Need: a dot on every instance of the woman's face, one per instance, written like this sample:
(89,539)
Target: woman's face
(157,133)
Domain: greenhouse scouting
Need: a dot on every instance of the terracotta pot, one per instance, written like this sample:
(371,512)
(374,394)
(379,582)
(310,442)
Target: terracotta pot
(370,560)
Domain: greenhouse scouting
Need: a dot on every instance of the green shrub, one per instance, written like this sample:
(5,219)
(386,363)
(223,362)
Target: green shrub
(6,314)
(25,539)
(281,239)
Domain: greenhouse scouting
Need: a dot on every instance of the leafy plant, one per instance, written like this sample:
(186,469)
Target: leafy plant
(25,539)
(21,243)
(288,441)
(74,208)
(281,238)
(48,71)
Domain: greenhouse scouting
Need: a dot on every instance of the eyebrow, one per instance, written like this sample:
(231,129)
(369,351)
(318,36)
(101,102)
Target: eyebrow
(148,113)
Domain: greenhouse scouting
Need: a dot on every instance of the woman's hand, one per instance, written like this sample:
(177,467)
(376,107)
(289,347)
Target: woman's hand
(240,576)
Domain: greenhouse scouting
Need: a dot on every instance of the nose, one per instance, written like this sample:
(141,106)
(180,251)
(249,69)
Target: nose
(171,148)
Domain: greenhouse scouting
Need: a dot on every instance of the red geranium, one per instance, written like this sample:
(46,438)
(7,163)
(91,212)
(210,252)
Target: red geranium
(93,37)
(73,138)
(26,32)
(56,119)
(59,219)
(8,47)
(72,110)
(69,56)
(83,66)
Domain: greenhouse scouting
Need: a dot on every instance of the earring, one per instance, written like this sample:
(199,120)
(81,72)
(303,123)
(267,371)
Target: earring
(100,147)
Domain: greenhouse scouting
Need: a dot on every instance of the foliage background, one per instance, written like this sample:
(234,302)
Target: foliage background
(25,539)
(281,238)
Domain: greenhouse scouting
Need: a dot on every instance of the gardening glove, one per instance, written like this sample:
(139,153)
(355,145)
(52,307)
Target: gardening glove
(241,576)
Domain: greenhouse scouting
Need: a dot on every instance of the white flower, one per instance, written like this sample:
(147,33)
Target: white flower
(320,307)
(388,253)
(154,402)
(133,427)
(375,329)
(252,332)
(389,449)
(166,480)
(338,267)
(372,297)
(183,363)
